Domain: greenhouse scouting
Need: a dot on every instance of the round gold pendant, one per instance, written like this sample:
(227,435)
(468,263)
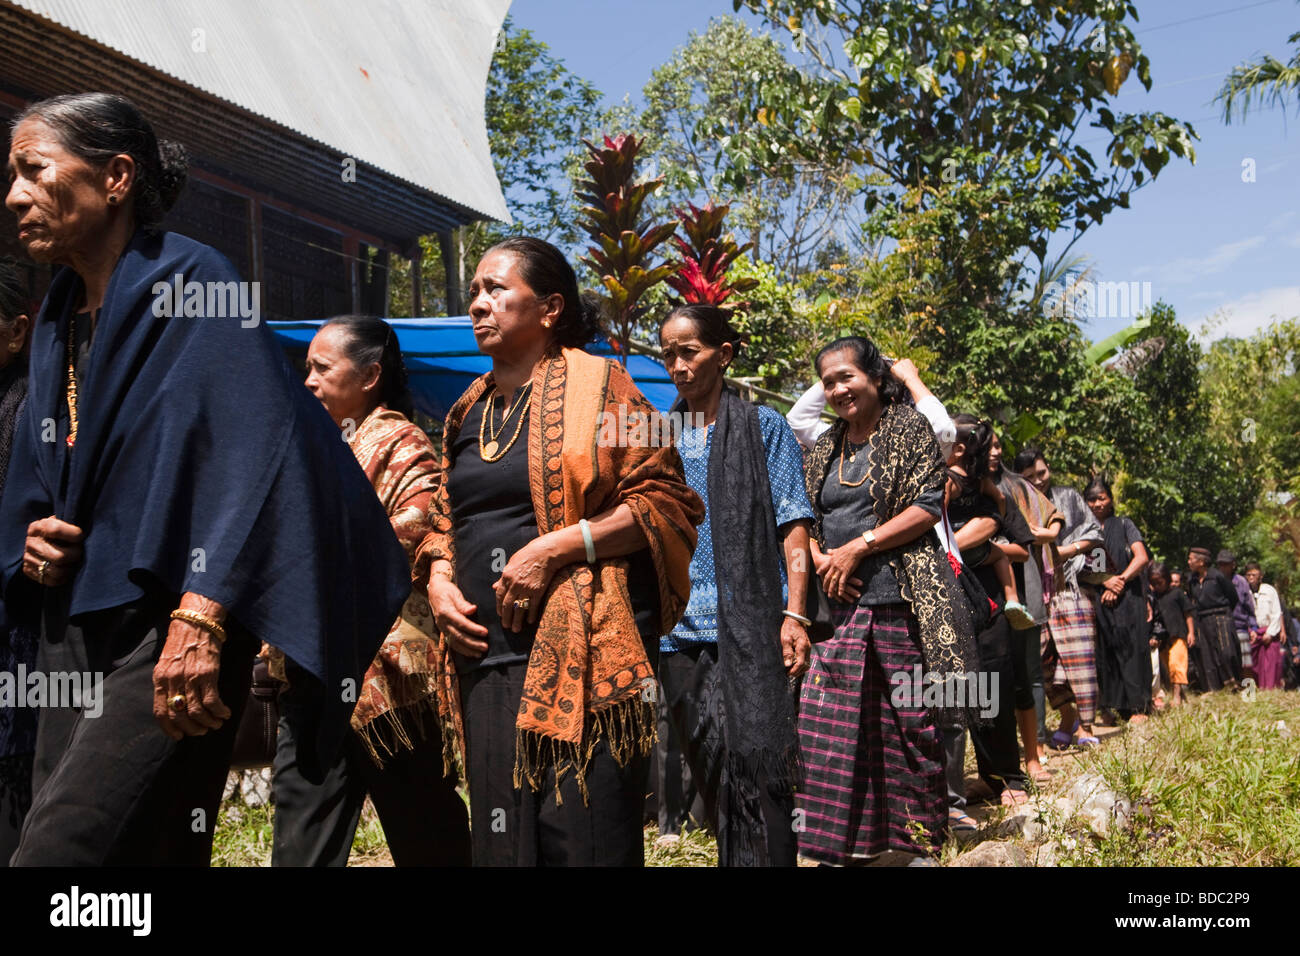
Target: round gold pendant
(490,450)
(853,457)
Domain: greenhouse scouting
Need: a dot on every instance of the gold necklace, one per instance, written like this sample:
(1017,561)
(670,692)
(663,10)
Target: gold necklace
(853,457)
(72,384)
(487,450)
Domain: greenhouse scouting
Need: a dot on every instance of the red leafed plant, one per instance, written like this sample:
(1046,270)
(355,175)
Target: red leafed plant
(611,216)
(706,256)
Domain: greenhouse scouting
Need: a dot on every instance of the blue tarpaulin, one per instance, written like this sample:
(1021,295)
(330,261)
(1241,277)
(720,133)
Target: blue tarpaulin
(442,359)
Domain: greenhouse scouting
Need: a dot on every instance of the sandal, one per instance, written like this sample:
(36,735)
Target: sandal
(1063,740)
(1087,740)
(1017,615)
(1041,776)
(961,822)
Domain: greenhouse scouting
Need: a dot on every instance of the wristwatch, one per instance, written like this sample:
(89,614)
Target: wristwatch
(870,538)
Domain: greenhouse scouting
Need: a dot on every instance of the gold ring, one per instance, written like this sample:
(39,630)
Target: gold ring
(178,702)
(522,604)
(45,566)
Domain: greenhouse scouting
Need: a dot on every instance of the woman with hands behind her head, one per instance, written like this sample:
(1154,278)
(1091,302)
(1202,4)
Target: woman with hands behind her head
(876,480)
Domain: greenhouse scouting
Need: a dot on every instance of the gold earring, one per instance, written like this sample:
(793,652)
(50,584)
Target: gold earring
(546,323)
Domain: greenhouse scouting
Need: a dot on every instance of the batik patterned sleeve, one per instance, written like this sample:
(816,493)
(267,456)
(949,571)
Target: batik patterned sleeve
(784,468)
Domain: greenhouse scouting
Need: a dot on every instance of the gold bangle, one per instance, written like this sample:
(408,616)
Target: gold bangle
(200,620)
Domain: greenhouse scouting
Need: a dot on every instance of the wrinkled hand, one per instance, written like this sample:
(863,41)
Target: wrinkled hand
(189,666)
(839,565)
(451,615)
(524,581)
(54,545)
(1115,585)
(795,646)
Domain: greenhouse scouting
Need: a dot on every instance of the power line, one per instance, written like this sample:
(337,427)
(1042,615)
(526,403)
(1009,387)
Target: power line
(1205,16)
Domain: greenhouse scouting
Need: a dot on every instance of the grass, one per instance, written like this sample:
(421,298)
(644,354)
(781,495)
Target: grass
(696,848)
(1213,783)
(243,837)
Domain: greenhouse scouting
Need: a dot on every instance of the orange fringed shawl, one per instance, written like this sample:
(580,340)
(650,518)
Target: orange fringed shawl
(587,666)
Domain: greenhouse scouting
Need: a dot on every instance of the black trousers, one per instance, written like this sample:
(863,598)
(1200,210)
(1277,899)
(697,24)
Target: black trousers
(692,689)
(113,789)
(425,821)
(521,827)
(677,802)
(997,751)
(1027,666)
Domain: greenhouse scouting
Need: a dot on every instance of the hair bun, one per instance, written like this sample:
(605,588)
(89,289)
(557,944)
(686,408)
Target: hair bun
(173,171)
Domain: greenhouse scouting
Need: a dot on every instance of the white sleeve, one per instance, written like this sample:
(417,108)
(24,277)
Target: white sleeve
(940,421)
(805,417)
(1268,603)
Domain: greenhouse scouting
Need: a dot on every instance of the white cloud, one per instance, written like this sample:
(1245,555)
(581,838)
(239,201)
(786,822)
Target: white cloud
(1194,268)
(1246,315)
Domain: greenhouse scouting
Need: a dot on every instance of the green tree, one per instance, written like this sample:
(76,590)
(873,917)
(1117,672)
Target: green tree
(1253,394)
(1182,485)
(700,100)
(973,120)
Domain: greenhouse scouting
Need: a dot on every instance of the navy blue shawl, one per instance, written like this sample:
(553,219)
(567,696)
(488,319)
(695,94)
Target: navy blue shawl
(194,433)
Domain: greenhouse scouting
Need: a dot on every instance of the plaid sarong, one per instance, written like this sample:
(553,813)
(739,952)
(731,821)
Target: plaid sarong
(1070,654)
(873,771)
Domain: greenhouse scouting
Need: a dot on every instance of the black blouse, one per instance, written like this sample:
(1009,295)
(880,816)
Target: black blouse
(493,517)
(1214,595)
(848,510)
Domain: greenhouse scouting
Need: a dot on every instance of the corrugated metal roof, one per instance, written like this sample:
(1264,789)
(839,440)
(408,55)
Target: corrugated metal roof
(396,84)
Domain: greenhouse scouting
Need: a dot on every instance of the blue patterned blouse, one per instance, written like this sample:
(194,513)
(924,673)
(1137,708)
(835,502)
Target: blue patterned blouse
(699,625)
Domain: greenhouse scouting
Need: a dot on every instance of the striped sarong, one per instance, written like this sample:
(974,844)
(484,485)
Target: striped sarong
(1070,654)
(1243,644)
(873,771)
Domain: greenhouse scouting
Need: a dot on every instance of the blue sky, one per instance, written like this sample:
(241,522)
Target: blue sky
(1207,242)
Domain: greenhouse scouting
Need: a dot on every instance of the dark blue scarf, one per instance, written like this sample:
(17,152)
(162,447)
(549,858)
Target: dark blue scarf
(195,434)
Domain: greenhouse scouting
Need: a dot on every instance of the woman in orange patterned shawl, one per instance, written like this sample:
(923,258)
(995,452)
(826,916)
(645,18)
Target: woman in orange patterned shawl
(560,551)
(354,366)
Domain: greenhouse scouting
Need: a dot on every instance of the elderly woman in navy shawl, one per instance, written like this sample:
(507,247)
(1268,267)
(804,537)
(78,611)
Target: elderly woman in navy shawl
(177,495)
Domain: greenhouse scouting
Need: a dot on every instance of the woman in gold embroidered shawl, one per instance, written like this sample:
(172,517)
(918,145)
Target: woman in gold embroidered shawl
(868,712)
(561,544)
(355,368)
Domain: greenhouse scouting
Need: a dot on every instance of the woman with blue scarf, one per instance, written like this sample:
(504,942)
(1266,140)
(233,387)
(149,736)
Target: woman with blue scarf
(178,497)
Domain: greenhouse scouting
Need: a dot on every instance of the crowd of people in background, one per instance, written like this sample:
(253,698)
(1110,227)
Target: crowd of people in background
(801,621)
